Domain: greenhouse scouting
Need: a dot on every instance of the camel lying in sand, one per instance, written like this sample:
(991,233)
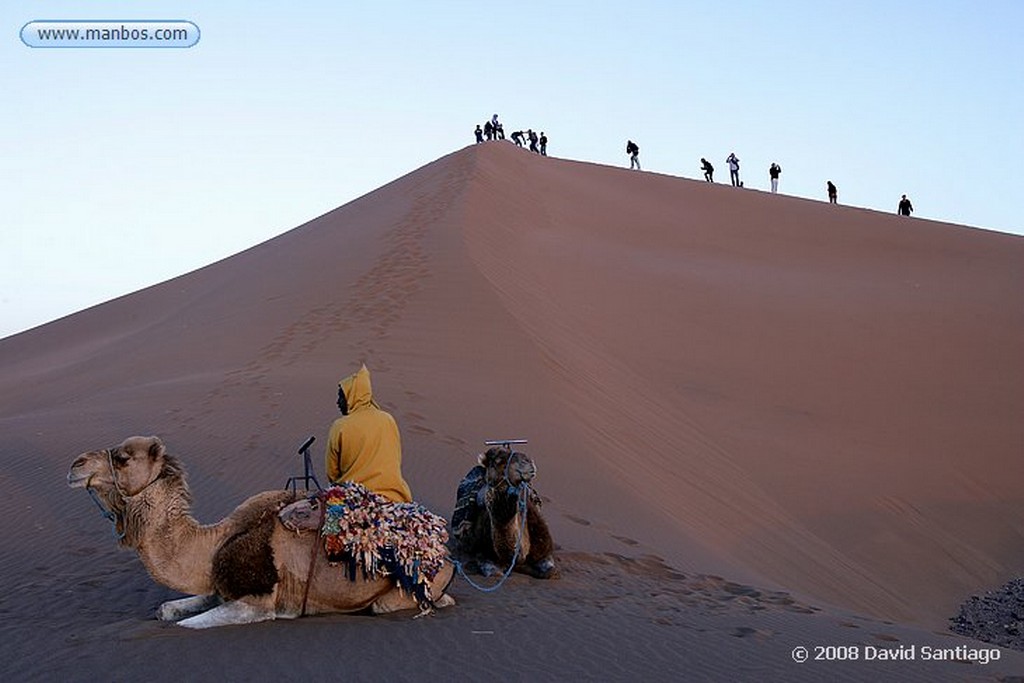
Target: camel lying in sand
(243,569)
(487,521)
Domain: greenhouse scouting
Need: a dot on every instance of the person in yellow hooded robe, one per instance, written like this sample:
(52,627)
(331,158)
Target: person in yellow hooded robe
(363,445)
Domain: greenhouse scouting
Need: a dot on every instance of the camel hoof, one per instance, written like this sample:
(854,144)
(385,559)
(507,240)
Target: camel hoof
(546,570)
(489,569)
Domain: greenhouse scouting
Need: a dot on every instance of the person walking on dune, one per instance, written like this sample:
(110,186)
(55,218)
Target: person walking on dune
(543,145)
(905,208)
(773,172)
(734,169)
(517,137)
(709,170)
(532,137)
(479,133)
(833,193)
(633,150)
(363,445)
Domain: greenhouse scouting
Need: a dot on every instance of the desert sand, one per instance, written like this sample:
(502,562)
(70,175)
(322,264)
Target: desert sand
(760,423)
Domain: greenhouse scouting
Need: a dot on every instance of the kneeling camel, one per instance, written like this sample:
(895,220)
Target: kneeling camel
(246,568)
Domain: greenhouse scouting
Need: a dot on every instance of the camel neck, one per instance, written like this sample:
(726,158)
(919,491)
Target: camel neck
(173,546)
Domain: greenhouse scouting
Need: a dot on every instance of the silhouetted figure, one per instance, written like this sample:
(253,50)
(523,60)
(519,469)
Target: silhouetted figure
(517,137)
(488,130)
(709,170)
(773,172)
(532,136)
(543,144)
(633,150)
(905,207)
(734,169)
(499,132)
(479,133)
(833,193)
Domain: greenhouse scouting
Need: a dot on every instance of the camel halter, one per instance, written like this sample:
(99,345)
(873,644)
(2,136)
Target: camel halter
(105,511)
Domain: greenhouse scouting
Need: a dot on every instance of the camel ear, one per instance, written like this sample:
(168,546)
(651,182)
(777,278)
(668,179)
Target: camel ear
(156,447)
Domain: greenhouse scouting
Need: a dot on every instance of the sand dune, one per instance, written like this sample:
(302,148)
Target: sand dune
(820,404)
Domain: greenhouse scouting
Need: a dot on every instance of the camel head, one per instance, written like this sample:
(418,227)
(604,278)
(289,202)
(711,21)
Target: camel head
(504,467)
(125,469)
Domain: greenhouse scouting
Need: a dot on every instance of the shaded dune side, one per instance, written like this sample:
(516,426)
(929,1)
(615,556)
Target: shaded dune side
(824,396)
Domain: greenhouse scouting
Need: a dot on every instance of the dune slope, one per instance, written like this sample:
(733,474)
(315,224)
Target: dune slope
(815,398)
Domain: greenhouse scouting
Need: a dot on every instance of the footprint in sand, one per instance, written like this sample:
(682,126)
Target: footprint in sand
(578,520)
(626,540)
(748,632)
(419,429)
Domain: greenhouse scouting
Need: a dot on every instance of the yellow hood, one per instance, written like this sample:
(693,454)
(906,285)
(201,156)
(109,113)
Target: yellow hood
(358,392)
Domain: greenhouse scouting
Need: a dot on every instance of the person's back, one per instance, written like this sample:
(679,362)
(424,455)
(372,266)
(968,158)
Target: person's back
(364,445)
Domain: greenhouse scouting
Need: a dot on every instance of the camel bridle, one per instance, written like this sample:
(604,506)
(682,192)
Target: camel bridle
(107,513)
(523,487)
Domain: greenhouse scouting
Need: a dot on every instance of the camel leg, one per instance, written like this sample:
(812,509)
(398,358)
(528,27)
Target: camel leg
(243,611)
(393,601)
(173,610)
(396,600)
(439,584)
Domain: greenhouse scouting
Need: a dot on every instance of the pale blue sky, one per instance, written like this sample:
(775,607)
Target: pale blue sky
(124,167)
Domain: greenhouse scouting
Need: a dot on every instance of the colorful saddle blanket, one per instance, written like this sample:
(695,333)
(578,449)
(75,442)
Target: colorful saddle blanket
(402,540)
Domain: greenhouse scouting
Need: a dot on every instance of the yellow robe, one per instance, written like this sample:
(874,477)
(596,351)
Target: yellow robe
(364,445)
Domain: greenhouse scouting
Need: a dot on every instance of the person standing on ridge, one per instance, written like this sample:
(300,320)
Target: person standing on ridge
(532,137)
(479,133)
(488,130)
(905,208)
(363,445)
(734,169)
(773,172)
(709,170)
(499,132)
(833,193)
(543,144)
(633,150)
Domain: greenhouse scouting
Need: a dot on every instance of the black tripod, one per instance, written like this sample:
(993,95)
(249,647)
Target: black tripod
(293,482)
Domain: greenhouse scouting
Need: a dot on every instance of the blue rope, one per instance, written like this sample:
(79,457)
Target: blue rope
(523,494)
(111,517)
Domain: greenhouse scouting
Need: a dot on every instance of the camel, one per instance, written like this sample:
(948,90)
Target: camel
(244,569)
(487,522)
